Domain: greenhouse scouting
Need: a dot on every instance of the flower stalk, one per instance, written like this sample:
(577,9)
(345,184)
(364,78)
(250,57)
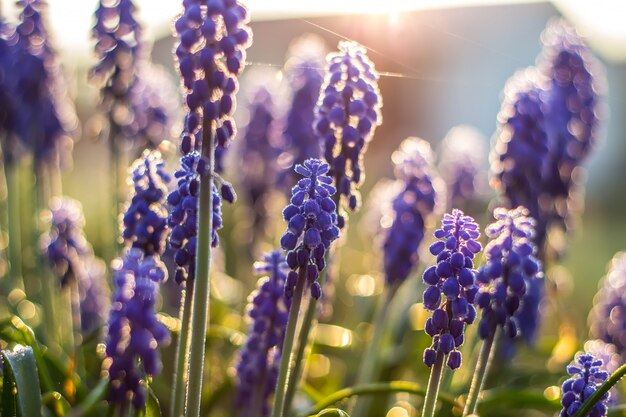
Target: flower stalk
(487,352)
(201,284)
(278,408)
(433,386)
(182,352)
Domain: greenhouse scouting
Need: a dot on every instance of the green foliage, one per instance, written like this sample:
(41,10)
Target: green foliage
(20,385)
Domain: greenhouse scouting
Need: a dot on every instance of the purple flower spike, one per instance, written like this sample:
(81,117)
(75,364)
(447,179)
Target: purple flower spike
(451,291)
(348,111)
(64,244)
(305,59)
(511,266)
(259,358)
(214,36)
(145,220)
(588,373)
(134,333)
(575,82)
(521,146)
(312,224)
(411,206)
(607,319)
(183,216)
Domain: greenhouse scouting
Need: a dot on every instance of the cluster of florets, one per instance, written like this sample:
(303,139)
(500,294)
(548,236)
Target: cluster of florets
(145,221)
(183,218)
(45,112)
(411,206)
(510,267)
(64,244)
(117,34)
(303,69)
(521,147)
(134,334)
(607,318)
(452,278)
(462,165)
(588,373)
(213,38)
(573,77)
(347,112)
(312,225)
(268,310)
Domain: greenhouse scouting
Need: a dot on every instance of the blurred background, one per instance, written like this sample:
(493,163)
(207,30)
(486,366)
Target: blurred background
(443,63)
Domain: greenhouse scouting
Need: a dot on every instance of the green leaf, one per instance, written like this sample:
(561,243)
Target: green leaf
(20,393)
(333,412)
(153,408)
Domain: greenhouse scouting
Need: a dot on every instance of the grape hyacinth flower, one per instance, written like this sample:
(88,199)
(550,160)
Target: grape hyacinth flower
(64,244)
(144,224)
(8,102)
(268,311)
(411,207)
(183,217)
(607,318)
(587,374)
(117,34)
(213,38)
(312,225)
(303,70)
(347,113)
(46,113)
(134,332)
(510,266)
(575,82)
(462,165)
(451,291)
(521,146)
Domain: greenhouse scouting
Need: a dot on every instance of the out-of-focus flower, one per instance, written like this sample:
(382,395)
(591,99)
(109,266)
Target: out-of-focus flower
(347,113)
(588,373)
(134,332)
(607,319)
(411,206)
(510,266)
(154,106)
(268,310)
(451,289)
(144,223)
(521,146)
(303,71)
(575,80)
(46,115)
(117,34)
(95,296)
(183,217)
(64,243)
(462,165)
(312,225)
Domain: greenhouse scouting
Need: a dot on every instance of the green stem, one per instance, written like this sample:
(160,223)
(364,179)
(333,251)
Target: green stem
(285,360)
(78,357)
(14,227)
(604,388)
(485,357)
(369,389)
(433,386)
(201,290)
(370,366)
(114,169)
(182,351)
(304,340)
